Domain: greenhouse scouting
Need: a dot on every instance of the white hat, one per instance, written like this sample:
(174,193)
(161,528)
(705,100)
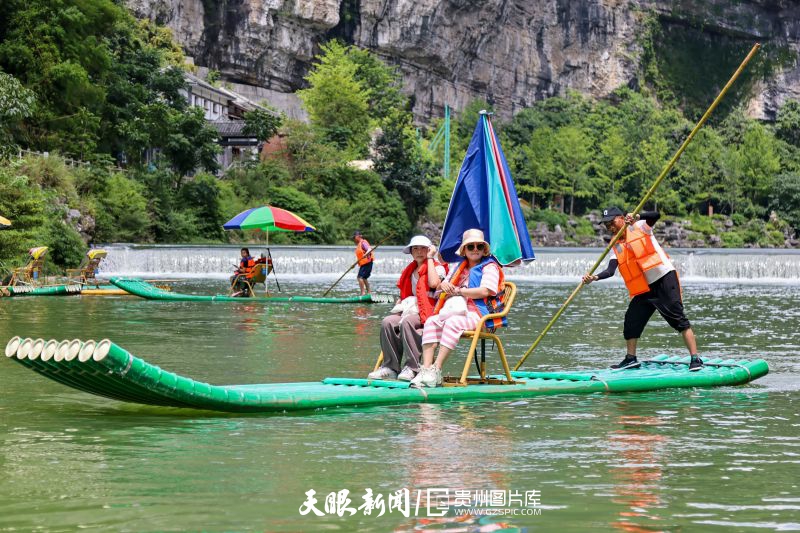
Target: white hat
(417,240)
(473,236)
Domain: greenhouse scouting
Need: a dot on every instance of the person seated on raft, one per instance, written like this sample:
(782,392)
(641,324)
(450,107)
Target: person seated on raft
(401,333)
(478,280)
(246,267)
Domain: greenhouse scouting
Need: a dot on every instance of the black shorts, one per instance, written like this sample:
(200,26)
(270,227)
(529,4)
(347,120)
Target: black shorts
(365,271)
(664,296)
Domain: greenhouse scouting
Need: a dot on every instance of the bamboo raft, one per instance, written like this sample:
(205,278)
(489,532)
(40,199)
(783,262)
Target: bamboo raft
(143,289)
(50,290)
(105,369)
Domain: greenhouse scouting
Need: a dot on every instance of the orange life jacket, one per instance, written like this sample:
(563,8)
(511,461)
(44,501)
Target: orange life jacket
(246,266)
(362,255)
(636,256)
(425,302)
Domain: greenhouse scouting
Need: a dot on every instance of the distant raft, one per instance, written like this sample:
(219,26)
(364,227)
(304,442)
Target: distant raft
(143,289)
(105,369)
(51,290)
(103,290)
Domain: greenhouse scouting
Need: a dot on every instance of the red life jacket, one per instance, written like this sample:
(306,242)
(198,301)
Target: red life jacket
(425,302)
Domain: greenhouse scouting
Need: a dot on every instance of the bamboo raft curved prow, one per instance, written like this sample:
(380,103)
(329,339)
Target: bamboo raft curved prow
(105,369)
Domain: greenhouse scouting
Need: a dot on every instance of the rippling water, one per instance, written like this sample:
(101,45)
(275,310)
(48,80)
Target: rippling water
(719,459)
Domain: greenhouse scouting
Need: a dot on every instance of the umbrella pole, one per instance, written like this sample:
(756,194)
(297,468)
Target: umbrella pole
(266,278)
(647,196)
(271,262)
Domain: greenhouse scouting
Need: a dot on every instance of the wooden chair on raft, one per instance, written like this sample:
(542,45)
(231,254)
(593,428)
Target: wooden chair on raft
(86,272)
(241,283)
(482,335)
(33,272)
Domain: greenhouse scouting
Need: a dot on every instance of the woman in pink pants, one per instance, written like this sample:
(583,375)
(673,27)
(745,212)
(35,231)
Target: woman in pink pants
(479,280)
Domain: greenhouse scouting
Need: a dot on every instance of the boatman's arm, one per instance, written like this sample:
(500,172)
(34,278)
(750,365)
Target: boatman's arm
(649,217)
(610,270)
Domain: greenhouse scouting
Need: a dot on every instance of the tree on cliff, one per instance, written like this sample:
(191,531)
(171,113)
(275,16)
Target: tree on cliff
(337,102)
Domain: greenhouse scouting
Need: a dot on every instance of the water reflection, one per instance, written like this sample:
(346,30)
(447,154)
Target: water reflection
(455,450)
(637,475)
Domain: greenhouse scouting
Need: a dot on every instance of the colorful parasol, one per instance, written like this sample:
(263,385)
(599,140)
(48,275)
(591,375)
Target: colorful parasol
(268,218)
(485,198)
(4,223)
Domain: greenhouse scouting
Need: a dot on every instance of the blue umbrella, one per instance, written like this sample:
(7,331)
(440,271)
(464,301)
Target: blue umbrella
(485,198)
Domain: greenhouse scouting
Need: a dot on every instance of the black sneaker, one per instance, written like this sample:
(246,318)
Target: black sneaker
(630,361)
(695,364)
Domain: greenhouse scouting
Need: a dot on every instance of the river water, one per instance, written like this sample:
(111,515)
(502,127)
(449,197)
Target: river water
(692,460)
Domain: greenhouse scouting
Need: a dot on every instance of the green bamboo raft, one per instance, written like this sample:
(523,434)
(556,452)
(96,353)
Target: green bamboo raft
(105,369)
(51,290)
(143,289)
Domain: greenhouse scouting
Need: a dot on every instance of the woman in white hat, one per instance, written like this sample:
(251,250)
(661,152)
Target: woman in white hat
(479,280)
(401,333)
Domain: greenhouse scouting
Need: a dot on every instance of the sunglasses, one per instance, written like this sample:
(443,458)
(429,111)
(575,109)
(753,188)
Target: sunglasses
(475,246)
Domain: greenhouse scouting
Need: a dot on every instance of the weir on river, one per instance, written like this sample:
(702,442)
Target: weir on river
(552,264)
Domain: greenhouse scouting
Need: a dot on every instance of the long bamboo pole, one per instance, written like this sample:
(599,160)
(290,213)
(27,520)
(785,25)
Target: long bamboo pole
(354,264)
(647,196)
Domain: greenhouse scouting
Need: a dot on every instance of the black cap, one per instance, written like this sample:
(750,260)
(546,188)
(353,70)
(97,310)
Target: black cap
(356,234)
(611,213)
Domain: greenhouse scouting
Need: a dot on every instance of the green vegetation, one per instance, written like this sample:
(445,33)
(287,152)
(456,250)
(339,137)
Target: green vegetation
(574,154)
(86,81)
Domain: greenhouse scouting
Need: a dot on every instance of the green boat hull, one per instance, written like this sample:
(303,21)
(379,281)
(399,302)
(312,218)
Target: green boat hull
(143,289)
(107,370)
(53,290)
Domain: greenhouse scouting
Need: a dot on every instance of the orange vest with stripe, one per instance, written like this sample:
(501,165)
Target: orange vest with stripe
(361,254)
(636,256)
(491,304)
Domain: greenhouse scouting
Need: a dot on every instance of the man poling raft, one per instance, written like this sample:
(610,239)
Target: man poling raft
(651,279)
(365,258)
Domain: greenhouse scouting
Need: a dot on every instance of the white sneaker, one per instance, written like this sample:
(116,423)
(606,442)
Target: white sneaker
(383,372)
(407,374)
(417,380)
(428,377)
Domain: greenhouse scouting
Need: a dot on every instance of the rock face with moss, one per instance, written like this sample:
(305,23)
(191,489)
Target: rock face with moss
(509,53)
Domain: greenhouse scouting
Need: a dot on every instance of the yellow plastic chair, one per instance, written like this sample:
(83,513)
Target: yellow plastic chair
(479,333)
(259,275)
(87,271)
(32,272)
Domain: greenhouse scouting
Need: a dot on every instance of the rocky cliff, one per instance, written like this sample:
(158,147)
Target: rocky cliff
(509,52)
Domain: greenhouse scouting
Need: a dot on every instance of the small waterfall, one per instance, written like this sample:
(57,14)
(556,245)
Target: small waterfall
(552,264)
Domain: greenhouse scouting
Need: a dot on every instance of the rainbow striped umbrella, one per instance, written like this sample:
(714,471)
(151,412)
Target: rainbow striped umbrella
(268,218)
(485,198)
(4,223)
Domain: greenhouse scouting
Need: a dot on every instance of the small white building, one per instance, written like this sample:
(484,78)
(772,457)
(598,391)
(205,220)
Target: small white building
(225,110)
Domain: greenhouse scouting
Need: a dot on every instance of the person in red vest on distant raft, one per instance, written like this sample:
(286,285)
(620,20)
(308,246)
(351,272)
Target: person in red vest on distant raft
(401,331)
(651,280)
(365,259)
(474,289)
